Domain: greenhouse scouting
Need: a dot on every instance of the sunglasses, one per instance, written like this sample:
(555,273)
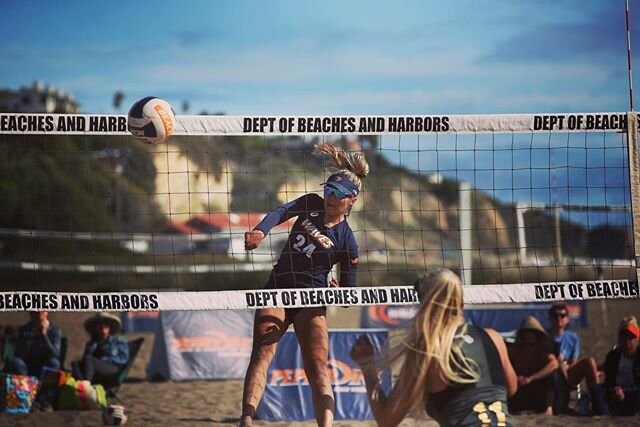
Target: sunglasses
(331,191)
(626,336)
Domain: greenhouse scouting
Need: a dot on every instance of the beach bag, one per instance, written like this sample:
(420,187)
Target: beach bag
(82,395)
(17,393)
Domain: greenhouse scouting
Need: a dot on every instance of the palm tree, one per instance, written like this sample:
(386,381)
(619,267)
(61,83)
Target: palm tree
(117,99)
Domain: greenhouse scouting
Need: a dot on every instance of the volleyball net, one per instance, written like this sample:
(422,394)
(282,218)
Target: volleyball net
(523,207)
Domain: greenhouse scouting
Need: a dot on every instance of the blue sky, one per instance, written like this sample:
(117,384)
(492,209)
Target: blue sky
(328,57)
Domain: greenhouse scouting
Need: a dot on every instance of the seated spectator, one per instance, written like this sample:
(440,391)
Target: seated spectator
(622,371)
(535,364)
(37,346)
(572,369)
(105,354)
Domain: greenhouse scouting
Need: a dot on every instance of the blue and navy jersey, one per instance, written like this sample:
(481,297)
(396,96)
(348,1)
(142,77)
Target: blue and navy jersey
(312,249)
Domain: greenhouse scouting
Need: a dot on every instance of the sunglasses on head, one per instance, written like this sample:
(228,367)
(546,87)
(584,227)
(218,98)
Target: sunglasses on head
(331,191)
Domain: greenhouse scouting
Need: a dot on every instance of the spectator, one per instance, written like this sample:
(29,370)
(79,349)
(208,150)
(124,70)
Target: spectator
(622,371)
(572,369)
(37,346)
(535,364)
(105,354)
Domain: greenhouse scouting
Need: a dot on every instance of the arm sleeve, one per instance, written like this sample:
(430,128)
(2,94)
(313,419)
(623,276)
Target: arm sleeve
(349,262)
(52,341)
(283,213)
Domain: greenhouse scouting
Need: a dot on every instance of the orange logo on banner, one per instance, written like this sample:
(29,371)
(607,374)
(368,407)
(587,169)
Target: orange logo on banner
(379,314)
(214,341)
(340,374)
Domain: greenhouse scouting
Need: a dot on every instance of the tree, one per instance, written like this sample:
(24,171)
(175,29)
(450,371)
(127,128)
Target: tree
(118,97)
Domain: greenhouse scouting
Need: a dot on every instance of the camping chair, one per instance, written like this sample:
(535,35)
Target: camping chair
(8,350)
(134,348)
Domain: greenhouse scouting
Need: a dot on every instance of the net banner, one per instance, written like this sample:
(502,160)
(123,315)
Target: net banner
(522,207)
(312,297)
(287,396)
(93,124)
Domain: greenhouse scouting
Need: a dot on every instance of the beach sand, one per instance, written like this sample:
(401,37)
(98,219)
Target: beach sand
(217,403)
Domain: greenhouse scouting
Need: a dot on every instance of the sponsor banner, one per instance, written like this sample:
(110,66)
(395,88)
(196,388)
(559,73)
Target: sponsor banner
(140,321)
(201,345)
(505,318)
(287,396)
(307,297)
(92,124)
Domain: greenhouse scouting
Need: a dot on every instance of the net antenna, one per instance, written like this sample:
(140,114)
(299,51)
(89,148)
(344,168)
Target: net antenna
(629,66)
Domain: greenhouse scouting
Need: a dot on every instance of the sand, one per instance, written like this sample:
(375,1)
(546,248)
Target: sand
(217,403)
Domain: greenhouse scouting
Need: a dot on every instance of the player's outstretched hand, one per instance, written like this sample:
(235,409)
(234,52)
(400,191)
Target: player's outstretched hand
(362,350)
(252,239)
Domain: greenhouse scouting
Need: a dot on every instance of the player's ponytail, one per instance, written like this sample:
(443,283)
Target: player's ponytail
(352,164)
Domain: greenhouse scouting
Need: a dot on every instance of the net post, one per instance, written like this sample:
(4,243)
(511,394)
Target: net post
(634,182)
(466,248)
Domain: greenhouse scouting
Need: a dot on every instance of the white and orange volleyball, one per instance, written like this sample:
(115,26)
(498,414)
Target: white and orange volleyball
(151,120)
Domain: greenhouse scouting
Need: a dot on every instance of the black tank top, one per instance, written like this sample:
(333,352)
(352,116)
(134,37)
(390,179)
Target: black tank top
(483,403)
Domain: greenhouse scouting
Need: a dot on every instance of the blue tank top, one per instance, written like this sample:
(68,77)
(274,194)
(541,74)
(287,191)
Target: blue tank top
(312,249)
(483,403)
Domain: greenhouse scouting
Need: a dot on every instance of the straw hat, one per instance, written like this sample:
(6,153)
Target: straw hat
(109,318)
(532,324)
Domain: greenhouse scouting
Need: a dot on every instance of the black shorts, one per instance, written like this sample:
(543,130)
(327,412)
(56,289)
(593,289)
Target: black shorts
(290,313)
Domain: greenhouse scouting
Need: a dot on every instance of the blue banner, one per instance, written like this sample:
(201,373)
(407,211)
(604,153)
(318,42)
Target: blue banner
(193,345)
(505,318)
(134,322)
(287,395)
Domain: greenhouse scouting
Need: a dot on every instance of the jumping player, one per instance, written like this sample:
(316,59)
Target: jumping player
(319,239)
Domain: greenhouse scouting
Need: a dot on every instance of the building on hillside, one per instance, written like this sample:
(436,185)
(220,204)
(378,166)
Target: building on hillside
(227,235)
(37,98)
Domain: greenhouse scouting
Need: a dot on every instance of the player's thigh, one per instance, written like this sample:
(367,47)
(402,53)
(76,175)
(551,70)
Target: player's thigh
(269,325)
(313,335)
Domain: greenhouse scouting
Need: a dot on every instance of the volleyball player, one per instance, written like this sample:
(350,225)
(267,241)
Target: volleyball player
(319,239)
(459,373)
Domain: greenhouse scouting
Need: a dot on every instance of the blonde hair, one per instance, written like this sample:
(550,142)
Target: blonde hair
(353,165)
(628,321)
(430,342)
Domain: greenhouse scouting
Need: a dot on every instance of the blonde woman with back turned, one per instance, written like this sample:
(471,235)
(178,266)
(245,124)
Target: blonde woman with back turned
(460,374)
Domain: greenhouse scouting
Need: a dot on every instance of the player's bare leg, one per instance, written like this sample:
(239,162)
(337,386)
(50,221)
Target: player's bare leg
(269,326)
(313,336)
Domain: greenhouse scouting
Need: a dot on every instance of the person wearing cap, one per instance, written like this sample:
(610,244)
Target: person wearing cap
(37,346)
(319,239)
(105,354)
(572,369)
(535,364)
(622,371)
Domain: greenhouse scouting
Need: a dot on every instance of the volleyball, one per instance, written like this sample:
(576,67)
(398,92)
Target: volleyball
(151,120)
(114,415)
